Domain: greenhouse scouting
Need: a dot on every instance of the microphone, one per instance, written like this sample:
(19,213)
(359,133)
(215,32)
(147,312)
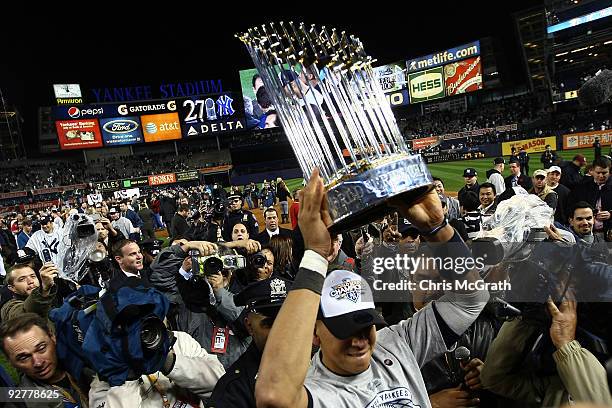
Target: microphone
(596,90)
(460,355)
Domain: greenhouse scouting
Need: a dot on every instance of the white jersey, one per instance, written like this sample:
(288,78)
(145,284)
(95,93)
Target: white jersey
(394,377)
(41,240)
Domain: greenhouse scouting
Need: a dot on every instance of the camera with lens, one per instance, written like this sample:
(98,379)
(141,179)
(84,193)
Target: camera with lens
(212,264)
(84,227)
(257,260)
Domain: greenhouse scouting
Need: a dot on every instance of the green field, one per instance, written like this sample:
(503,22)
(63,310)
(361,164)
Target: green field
(452,172)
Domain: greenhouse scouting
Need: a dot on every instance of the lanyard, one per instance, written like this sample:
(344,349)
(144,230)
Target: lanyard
(163,395)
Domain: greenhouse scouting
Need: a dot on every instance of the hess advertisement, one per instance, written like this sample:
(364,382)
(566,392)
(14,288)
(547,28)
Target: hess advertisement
(78,134)
(463,76)
(121,131)
(426,85)
(392,80)
(209,115)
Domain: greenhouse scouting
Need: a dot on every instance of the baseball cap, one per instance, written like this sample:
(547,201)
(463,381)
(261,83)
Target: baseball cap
(46,219)
(499,160)
(470,172)
(540,172)
(233,197)
(580,158)
(347,304)
(264,297)
(405,228)
(554,168)
(286,76)
(113,210)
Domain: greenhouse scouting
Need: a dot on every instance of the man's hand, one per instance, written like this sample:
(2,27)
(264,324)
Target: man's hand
(205,247)
(250,245)
(48,273)
(216,281)
(553,233)
(425,214)
(564,320)
(452,398)
(187,264)
(602,216)
(363,248)
(391,233)
(314,217)
(472,376)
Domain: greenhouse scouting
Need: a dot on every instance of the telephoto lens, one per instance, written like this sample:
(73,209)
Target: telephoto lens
(152,333)
(213,265)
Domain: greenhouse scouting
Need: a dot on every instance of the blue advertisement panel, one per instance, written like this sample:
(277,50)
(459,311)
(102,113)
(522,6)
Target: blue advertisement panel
(444,57)
(207,115)
(121,131)
(67,112)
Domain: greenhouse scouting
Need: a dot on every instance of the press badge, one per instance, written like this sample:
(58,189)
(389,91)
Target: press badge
(220,338)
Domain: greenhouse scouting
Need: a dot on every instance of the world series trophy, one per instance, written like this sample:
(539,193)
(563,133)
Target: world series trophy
(337,118)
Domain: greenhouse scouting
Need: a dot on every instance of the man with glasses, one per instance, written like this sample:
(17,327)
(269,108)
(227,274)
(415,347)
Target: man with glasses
(237,215)
(263,300)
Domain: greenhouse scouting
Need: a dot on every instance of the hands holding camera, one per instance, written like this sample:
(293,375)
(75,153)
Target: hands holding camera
(251,246)
(204,247)
(48,273)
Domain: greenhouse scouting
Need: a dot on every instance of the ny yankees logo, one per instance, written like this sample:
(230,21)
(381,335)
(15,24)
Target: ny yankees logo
(225,105)
(53,246)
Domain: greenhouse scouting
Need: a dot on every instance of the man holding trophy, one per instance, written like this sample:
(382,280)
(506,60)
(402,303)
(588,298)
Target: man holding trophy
(356,365)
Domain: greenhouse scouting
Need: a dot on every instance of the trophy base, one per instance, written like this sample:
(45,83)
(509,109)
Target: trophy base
(364,198)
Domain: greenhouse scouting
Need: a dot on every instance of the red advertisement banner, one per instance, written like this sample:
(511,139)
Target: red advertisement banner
(463,76)
(586,139)
(15,194)
(424,143)
(39,205)
(216,169)
(78,134)
(160,179)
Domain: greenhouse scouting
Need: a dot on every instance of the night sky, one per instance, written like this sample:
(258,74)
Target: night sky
(127,46)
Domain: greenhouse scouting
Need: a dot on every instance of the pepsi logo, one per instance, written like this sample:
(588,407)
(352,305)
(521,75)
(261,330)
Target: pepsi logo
(74,112)
(120,126)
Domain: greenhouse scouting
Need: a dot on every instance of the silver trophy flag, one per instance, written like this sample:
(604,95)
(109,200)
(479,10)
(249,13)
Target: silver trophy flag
(336,118)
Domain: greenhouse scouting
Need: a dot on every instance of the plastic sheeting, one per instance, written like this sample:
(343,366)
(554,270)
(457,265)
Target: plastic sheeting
(74,250)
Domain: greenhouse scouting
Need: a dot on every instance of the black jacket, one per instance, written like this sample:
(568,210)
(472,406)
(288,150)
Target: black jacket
(240,217)
(264,238)
(523,181)
(179,226)
(561,211)
(167,208)
(548,159)
(237,387)
(475,188)
(570,175)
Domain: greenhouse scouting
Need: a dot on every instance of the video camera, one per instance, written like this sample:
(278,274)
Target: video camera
(212,264)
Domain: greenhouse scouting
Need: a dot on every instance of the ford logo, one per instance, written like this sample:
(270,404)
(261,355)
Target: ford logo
(120,126)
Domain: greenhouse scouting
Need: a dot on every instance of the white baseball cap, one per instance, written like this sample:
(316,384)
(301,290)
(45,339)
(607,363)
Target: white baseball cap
(347,305)
(554,168)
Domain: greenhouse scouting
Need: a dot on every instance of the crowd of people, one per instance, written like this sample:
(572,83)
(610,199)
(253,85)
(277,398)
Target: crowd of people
(277,314)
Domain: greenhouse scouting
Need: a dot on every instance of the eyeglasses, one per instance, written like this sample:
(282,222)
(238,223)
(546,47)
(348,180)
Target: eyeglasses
(540,177)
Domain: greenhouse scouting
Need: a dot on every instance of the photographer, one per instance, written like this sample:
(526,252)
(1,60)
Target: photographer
(30,295)
(187,377)
(579,376)
(107,234)
(30,346)
(203,300)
